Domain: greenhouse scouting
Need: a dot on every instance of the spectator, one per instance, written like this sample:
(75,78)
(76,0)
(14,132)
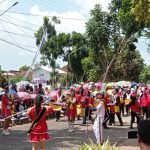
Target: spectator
(143,135)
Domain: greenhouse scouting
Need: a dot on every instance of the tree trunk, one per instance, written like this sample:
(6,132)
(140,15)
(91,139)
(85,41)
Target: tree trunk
(108,67)
(120,49)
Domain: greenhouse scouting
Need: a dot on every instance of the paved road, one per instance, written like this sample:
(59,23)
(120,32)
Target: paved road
(61,139)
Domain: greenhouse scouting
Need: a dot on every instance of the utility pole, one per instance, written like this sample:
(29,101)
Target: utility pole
(9,8)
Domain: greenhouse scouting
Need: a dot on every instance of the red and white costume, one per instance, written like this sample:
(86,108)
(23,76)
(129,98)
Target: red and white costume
(40,130)
(6,111)
(72,110)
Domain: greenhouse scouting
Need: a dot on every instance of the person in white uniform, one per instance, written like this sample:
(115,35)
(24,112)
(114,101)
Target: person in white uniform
(98,124)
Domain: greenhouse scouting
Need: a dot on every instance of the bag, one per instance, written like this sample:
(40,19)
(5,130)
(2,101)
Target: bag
(37,119)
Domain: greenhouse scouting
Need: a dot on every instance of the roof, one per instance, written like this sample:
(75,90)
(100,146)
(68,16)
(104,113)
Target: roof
(49,69)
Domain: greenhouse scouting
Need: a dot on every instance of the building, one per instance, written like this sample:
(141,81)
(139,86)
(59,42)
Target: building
(44,72)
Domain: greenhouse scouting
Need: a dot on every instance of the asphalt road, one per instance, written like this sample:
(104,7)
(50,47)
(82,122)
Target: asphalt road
(60,138)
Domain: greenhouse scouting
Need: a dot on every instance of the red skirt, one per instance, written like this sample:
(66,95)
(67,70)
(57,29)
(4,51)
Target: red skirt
(6,112)
(36,137)
(71,113)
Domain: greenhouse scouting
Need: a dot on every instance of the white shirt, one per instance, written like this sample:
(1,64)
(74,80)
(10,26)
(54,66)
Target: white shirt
(100,110)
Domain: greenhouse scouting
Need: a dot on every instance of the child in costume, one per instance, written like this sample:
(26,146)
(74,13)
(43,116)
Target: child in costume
(38,132)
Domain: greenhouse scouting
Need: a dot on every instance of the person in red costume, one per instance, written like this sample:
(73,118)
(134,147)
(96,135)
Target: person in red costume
(145,103)
(58,99)
(6,111)
(38,132)
(71,109)
(78,100)
(135,109)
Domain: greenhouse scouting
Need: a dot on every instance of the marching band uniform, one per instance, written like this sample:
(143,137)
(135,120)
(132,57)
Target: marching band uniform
(40,130)
(85,104)
(107,112)
(71,112)
(135,110)
(6,112)
(98,124)
(145,103)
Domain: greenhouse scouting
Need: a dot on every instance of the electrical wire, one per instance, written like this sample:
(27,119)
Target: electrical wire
(23,21)
(16,45)
(2,1)
(21,29)
(14,39)
(19,34)
(18,25)
(37,15)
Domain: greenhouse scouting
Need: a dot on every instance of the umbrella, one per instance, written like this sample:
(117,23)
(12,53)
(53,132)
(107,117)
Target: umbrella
(38,81)
(23,83)
(33,96)
(99,84)
(133,84)
(110,84)
(24,95)
(123,84)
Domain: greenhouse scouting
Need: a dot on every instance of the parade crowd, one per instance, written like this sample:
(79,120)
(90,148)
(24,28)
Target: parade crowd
(100,104)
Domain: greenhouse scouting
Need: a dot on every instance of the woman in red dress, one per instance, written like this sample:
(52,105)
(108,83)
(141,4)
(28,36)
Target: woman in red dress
(71,110)
(6,111)
(39,132)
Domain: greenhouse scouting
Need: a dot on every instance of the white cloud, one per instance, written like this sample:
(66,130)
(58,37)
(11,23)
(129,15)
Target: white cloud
(67,25)
(87,5)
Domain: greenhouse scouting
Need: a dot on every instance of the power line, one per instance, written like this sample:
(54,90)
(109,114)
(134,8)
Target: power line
(19,34)
(18,25)
(17,45)
(14,39)
(2,1)
(37,15)
(8,8)
(22,21)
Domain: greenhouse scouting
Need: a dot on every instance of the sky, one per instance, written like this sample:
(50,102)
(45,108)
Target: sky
(77,12)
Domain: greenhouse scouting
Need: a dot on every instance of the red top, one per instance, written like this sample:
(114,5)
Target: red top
(136,107)
(145,100)
(106,99)
(78,98)
(6,111)
(41,126)
(85,101)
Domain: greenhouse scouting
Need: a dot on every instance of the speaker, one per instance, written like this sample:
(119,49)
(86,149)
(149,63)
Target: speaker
(132,135)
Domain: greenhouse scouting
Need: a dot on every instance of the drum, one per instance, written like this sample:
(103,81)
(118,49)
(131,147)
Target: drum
(55,107)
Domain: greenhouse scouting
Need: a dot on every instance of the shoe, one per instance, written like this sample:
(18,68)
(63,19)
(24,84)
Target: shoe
(72,130)
(5,132)
(69,130)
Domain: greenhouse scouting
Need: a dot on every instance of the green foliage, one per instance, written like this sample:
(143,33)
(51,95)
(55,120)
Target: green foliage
(141,11)
(24,68)
(17,79)
(145,75)
(91,146)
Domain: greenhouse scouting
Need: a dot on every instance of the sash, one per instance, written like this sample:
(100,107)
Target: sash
(39,117)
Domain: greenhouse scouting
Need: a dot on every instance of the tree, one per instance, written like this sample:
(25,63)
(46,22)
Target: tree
(141,10)
(50,49)
(109,34)
(145,75)
(24,68)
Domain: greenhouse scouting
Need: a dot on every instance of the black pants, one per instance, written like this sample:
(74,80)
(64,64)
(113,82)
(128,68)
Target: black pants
(122,109)
(112,119)
(145,111)
(57,115)
(127,109)
(107,117)
(86,114)
(133,116)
